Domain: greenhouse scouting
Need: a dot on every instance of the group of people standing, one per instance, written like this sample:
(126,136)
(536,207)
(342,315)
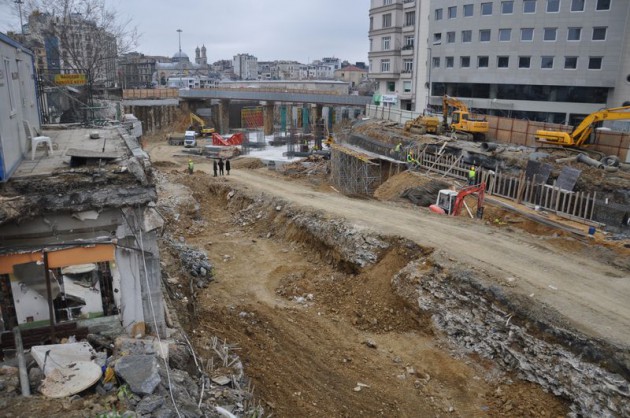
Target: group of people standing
(217,167)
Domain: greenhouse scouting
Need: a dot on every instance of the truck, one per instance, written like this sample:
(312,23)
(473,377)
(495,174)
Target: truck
(188,139)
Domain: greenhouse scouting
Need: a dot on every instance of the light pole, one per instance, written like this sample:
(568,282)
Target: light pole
(19,3)
(430,64)
(179,57)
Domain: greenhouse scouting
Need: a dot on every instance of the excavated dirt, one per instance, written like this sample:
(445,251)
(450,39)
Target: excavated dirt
(318,326)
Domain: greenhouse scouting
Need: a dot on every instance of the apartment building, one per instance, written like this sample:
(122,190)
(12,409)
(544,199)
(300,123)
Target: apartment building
(245,66)
(551,60)
(392,51)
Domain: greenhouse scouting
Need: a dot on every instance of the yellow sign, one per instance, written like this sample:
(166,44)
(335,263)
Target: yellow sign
(69,79)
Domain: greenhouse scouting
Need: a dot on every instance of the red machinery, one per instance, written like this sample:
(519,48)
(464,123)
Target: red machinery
(450,202)
(236,139)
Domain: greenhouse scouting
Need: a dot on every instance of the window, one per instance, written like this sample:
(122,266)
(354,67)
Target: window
(391,86)
(468,10)
(595,63)
(371,23)
(387,2)
(408,42)
(570,63)
(385,65)
(386,42)
(437,38)
(577,5)
(370,44)
(464,62)
(436,62)
(482,62)
(407,65)
(410,18)
(546,62)
(486,9)
(599,33)
(438,14)
(574,34)
(387,20)
(549,34)
(529,6)
(553,6)
(505,34)
(484,35)
(507,7)
(527,34)
(452,12)
(466,36)
(603,5)
(407,86)
(503,62)
(450,62)
(450,37)
(524,62)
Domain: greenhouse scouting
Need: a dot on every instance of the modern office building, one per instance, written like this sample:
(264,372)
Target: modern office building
(551,60)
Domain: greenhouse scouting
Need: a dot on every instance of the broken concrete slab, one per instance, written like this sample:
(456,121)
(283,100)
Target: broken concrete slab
(140,372)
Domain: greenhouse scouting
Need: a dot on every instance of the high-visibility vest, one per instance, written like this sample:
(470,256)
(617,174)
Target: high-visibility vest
(397,149)
(472,174)
(191,165)
(409,157)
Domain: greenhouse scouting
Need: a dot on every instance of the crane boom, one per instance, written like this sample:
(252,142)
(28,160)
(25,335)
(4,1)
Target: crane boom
(582,132)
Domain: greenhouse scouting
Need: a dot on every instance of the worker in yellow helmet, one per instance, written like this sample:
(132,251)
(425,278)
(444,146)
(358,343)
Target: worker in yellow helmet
(472,175)
(191,166)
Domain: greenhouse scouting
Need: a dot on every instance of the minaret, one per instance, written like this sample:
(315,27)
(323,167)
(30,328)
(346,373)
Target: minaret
(204,58)
(197,57)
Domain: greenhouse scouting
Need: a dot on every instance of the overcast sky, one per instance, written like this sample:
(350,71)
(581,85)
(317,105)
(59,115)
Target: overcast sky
(301,30)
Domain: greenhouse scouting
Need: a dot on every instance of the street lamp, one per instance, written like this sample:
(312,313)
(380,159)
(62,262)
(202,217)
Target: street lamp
(181,74)
(19,3)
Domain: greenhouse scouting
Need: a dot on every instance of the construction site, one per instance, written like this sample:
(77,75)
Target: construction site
(359,271)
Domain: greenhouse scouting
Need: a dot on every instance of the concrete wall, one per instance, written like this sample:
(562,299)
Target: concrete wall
(18,103)
(154,116)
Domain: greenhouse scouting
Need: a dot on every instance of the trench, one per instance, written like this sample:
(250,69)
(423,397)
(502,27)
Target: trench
(301,293)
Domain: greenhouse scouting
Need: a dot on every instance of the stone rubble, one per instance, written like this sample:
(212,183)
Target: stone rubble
(464,311)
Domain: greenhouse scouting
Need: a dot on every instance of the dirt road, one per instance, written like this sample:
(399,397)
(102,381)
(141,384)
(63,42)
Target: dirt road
(588,294)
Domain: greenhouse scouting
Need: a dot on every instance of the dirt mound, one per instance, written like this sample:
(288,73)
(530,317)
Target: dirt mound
(396,185)
(247,162)
(165,164)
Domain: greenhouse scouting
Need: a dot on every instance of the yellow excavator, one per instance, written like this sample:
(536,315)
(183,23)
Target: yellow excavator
(199,125)
(581,134)
(461,120)
(423,124)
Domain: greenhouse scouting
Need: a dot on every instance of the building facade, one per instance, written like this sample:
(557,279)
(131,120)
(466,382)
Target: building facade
(392,50)
(548,60)
(245,66)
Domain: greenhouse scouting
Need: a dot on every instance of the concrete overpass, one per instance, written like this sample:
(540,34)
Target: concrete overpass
(275,95)
(269,98)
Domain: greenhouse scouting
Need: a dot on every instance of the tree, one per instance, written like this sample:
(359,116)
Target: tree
(89,35)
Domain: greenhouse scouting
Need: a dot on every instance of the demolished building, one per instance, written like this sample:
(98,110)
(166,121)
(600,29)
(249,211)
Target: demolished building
(78,228)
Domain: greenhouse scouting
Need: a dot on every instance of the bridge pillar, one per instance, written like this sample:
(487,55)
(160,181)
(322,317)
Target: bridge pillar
(224,116)
(268,117)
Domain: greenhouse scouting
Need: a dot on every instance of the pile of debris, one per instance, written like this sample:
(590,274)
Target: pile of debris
(142,375)
(313,165)
(194,262)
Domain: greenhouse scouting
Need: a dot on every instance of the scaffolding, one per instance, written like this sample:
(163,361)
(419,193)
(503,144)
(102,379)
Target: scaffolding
(354,173)
(298,143)
(252,139)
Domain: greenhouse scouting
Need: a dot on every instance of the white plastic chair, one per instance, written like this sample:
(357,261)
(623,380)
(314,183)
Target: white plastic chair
(37,139)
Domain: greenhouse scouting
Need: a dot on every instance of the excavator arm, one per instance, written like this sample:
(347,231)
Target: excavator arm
(582,132)
(480,189)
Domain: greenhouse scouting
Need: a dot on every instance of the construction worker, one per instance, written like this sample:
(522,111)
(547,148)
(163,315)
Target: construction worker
(191,166)
(397,150)
(472,175)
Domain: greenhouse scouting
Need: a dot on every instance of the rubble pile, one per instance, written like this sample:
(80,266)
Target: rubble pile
(335,239)
(313,165)
(469,316)
(194,262)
